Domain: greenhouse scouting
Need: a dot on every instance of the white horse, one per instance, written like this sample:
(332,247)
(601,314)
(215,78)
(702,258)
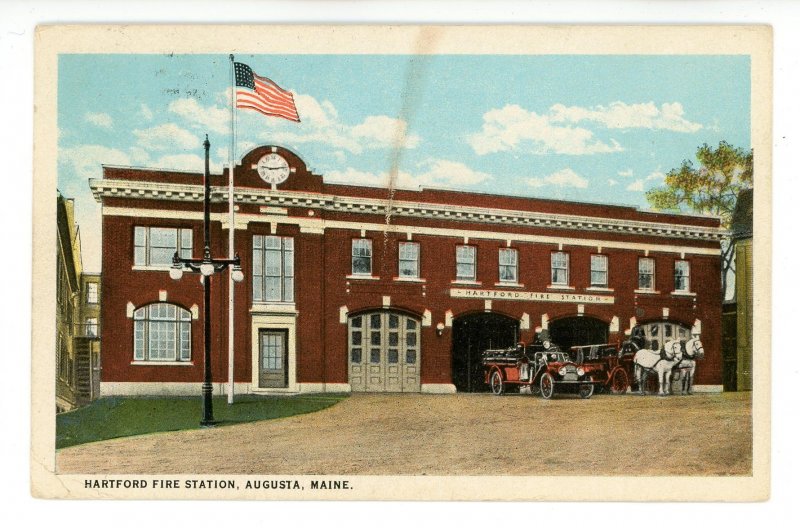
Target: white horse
(687,366)
(660,362)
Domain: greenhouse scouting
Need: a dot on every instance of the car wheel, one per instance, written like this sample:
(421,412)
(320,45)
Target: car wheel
(619,382)
(547,386)
(586,391)
(496,383)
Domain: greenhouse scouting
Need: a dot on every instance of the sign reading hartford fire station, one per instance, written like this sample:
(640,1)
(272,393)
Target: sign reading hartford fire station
(565,297)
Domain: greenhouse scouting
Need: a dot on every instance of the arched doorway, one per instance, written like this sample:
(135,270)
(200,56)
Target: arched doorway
(578,331)
(384,352)
(472,334)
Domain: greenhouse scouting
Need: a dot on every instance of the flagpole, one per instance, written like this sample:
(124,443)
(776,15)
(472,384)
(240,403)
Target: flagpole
(231,232)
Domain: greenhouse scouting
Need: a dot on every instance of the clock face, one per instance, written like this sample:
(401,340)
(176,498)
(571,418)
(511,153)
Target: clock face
(273,168)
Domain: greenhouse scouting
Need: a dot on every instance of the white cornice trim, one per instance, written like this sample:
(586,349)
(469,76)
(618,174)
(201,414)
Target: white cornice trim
(108,188)
(317,224)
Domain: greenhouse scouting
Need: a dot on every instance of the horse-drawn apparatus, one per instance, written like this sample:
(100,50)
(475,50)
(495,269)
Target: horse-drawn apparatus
(608,367)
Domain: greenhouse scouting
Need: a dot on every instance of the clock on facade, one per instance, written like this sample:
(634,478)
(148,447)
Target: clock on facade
(273,168)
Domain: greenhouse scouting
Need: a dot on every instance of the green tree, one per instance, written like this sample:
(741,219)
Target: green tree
(710,188)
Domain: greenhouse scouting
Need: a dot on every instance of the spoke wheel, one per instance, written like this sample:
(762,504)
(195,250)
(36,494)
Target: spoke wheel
(547,386)
(619,382)
(496,383)
(586,391)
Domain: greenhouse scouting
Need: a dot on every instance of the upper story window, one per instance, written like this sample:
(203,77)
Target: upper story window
(408,260)
(465,263)
(599,271)
(362,256)
(273,269)
(155,246)
(508,265)
(681,275)
(162,332)
(559,268)
(647,272)
(91,327)
(91,292)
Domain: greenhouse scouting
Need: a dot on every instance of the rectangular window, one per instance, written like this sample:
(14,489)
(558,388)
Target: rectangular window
(508,265)
(91,293)
(91,327)
(682,275)
(273,269)
(465,263)
(647,271)
(409,259)
(599,273)
(362,256)
(559,268)
(155,246)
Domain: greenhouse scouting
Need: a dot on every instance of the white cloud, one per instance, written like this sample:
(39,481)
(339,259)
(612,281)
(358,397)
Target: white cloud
(321,123)
(101,120)
(86,160)
(146,112)
(207,119)
(166,137)
(612,183)
(515,128)
(432,173)
(637,186)
(383,132)
(563,178)
(622,115)
(626,173)
(655,175)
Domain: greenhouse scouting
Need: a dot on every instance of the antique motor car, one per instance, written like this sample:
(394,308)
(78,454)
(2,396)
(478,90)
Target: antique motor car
(541,366)
(609,364)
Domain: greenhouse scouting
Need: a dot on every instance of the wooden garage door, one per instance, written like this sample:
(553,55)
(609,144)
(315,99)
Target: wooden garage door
(383,352)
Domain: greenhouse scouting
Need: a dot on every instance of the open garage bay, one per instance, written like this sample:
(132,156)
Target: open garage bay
(459,434)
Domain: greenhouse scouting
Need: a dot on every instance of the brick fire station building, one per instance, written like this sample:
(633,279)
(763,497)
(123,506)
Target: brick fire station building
(351,288)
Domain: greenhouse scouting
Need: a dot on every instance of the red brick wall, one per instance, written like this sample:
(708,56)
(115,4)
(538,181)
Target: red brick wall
(322,263)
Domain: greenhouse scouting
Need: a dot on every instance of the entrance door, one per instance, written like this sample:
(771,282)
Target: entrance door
(383,349)
(273,372)
(472,334)
(578,331)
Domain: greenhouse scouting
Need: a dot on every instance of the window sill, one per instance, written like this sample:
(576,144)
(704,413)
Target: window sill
(409,279)
(362,277)
(647,292)
(466,283)
(151,268)
(274,307)
(560,287)
(600,289)
(509,285)
(684,294)
(163,363)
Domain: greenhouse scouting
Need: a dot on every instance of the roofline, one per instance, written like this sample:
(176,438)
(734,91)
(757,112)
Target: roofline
(421,189)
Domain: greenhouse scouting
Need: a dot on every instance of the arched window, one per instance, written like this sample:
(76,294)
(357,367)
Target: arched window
(659,332)
(162,332)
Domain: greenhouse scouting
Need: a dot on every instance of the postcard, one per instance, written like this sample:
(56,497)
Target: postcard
(402,262)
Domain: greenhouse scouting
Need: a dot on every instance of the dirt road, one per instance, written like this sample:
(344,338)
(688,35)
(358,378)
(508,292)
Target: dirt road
(460,434)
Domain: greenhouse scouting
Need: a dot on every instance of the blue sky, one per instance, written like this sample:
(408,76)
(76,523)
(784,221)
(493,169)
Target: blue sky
(587,128)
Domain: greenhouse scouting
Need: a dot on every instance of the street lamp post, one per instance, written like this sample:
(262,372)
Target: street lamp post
(207,266)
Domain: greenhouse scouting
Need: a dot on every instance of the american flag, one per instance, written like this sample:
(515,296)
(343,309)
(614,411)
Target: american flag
(262,95)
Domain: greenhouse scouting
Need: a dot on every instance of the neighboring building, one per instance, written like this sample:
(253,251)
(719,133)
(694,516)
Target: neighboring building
(77,317)
(742,234)
(68,288)
(88,339)
(357,288)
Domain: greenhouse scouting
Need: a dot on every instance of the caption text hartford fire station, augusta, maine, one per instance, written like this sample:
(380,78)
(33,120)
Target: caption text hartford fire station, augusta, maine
(360,289)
